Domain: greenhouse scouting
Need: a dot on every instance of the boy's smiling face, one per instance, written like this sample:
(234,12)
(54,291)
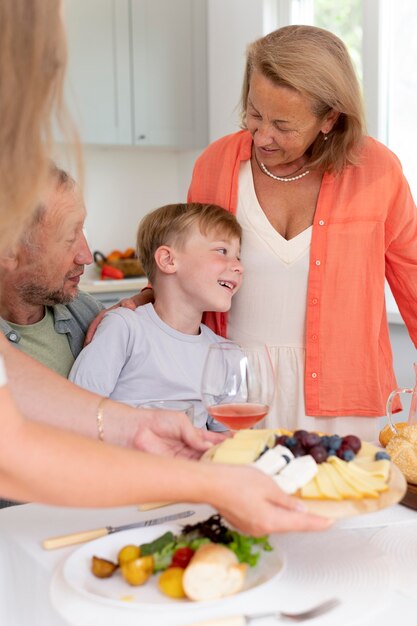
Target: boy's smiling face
(208,269)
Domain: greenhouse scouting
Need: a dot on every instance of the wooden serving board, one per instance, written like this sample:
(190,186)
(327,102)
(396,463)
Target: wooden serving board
(397,488)
(410,498)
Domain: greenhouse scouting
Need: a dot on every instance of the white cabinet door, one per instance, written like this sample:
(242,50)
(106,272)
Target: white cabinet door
(98,83)
(169,69)
(137,71)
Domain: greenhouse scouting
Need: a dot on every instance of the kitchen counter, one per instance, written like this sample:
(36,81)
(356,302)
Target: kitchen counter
(106,286)
(111,291)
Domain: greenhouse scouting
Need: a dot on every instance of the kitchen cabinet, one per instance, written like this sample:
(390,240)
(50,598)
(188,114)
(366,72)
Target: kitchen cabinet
(137,71)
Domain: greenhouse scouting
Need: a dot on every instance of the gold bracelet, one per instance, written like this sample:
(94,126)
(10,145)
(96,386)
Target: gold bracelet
(99,419)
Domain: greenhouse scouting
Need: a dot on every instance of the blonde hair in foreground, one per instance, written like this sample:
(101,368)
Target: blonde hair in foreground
(317,64)
(32,66)
(170,225)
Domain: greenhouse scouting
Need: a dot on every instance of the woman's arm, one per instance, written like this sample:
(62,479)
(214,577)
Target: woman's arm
(44,396)
(45,464)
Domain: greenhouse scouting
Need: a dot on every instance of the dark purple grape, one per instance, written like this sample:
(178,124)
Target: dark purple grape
(341,451)
(319,453)
(298,449)
(281,440)
(300,435)
(311,440)
(353,442)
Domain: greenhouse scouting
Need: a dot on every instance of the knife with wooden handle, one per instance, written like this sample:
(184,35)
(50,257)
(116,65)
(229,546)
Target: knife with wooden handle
(88,535)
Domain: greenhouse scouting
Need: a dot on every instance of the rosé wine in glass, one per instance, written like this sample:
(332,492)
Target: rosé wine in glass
(237,383)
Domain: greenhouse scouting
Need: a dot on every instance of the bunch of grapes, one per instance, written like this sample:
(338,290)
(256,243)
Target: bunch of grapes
(320,447)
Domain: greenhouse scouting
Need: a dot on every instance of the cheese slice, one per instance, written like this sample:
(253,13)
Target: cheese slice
(326,486)
(266,435)
(344,487)
(237,456)
(358,478)
(378,469)
(311,491)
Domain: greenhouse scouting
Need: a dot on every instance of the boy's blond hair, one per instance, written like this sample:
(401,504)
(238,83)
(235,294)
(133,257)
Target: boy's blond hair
(169,225)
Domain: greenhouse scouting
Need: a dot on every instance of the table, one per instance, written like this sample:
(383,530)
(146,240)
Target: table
(369,562)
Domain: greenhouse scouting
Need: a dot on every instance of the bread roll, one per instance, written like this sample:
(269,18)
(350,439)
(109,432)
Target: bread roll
(403,451)
(213,572)
(387,433)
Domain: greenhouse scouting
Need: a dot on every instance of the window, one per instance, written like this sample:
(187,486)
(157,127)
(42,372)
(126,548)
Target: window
(402,85)
(380,36)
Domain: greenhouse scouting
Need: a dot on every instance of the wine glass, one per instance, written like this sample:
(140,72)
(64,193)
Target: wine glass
(237,383)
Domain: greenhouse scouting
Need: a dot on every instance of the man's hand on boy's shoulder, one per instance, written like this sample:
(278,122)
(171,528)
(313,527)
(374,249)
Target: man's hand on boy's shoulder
(141,298)
(159,433)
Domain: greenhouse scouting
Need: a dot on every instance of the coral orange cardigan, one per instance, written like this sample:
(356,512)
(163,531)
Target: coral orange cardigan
(365,229)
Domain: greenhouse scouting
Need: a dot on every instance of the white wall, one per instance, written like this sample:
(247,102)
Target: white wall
(232,24)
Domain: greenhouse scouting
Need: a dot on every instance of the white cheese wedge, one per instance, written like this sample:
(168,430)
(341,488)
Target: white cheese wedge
(274,460)
(301,470)
(296,474)
(285,483)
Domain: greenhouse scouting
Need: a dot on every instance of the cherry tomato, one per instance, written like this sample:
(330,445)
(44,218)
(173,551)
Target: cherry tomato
(182,557)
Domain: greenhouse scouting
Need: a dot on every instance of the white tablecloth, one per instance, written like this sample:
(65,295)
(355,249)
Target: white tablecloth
(369,562)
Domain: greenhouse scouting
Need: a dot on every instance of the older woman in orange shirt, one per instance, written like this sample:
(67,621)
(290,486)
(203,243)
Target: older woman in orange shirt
(327,215)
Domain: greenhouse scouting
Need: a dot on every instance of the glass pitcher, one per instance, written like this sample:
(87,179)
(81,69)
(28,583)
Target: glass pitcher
(412,415)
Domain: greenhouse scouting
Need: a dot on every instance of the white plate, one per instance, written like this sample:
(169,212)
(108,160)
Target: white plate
(116,591)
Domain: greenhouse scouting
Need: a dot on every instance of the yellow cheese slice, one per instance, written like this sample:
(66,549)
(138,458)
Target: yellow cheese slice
(367,451)
(242,444)
(267,436)
(311,491)
(378,469)
(360,479)
(236,456)
(326,485)
(345,489)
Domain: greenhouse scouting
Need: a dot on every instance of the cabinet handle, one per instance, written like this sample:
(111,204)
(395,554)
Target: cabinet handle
(142,137)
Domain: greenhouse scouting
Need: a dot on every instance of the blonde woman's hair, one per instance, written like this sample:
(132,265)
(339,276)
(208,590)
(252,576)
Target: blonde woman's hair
(170,225)
(32,66)
(317,64)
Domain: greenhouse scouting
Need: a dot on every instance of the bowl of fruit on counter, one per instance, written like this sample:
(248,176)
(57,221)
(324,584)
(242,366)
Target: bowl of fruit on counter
(334,476)
(118,264)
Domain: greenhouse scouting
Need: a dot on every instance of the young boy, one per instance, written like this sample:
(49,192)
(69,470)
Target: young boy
(190,253)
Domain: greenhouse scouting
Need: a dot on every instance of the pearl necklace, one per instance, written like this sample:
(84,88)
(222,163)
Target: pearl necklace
(280,178)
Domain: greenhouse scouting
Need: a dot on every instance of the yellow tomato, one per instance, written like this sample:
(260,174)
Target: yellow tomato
(138,571)
(128,553)
(170,582)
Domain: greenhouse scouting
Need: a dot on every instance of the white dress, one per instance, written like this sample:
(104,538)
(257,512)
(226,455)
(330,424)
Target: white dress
(276,272)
